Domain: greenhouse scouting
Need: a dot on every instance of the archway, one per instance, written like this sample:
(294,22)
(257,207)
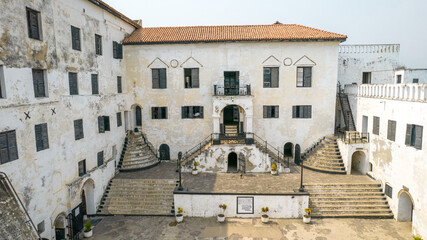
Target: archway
(164,152)
(88,197)
(232,120)
(297,158)
(287,149)
(232,162)
(405,207)
(60,226)
(138,116)
(358,163)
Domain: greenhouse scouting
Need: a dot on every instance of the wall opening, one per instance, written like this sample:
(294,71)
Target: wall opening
(60,226)
(287,149)
(164,152)
(358,163)
(405,207)
(232,162)
(232,120)
(297,158)
(88,197)
(138,116)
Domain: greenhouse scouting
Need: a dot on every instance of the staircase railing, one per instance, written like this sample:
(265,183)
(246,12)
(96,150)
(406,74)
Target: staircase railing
(150,146)
(350,137)
(270,149)
(311,148)
(122,155)
(341,95)
(15,195)
(198,148)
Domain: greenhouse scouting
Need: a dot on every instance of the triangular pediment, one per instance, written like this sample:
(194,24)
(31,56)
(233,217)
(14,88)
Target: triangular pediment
(158,63)
(271,61)
(305,61)
(191,63)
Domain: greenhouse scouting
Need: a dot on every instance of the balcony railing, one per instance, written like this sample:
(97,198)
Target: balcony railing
(243,90)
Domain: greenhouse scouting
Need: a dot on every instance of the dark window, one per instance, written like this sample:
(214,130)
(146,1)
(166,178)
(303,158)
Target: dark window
(159,78)
(39,83)
(376,126)
(414,136)
(191,77)
(271,111)
(388,190)
(75,38)
(95,85)
(159,112)
(72,79)
(399,79)
(415,80)
(103,124)
(119,84)
(192,112)
(42,139)
(82,168)
(2,86)
(366,77)
(371,167)
(391,130)
(271,77)
(302,111)
(304,77)
(78,129)
(100,158)
(8,148)
(98,44)
(119,119)
(33,20)
(117,50)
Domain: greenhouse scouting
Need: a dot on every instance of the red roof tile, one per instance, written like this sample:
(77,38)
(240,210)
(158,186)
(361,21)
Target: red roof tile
(274,32)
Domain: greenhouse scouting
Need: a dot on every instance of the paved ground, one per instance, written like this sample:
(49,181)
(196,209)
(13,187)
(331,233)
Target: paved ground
(119,227)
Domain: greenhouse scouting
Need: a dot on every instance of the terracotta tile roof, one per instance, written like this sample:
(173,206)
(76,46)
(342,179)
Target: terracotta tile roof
(113,11)
(273,32)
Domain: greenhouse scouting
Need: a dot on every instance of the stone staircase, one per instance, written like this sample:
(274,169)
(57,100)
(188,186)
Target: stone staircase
(346,111)
(231,130)
(138,197)
(347,200)
(325,157)
(137,153)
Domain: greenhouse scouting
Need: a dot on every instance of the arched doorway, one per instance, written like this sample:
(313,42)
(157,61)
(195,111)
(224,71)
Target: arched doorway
(164,152)
(88,197)
(358,163)
(232,162)
(232,120)
(405,207)
(287,149)
(297,158)
(60,226)
(138,116)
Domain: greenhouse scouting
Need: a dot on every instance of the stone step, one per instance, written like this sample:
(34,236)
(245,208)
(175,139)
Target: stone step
(137,212)
(340,170)
(324,164)
(135,203)
(348,206)
(344,189)
(353,215)
(347,198)
(348,202)
(138,164)
(324,185)
(142,180)
(356,211)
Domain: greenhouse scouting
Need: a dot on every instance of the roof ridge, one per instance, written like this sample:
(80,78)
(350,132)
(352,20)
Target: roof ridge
(251,25)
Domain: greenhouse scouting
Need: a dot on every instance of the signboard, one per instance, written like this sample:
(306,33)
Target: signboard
(245,205)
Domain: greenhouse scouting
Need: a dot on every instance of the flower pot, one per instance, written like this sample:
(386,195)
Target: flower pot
(179,218)
(306,219)
(273,172)
(221,218)
(87,234)
(264,218)
(194,172)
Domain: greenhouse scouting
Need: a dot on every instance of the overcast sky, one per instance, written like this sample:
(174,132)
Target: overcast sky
(363,21)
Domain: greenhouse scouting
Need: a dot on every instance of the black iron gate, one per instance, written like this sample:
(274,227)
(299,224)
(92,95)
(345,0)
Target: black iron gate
(75,222)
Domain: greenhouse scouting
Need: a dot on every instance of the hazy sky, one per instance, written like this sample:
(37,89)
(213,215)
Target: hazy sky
(363,21)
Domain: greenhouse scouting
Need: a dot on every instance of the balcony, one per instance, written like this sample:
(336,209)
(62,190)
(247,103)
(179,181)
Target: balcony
(243,90)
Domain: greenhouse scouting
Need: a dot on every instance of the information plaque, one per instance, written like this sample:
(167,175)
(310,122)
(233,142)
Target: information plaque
(245,205)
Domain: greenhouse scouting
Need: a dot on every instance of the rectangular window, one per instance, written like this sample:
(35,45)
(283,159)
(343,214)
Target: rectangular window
(415,80)
(103,124)
(191,77)
(301,111)
(159,112)
(192,112)
(95,85)
(78,129)
(2,83)
(271,111)
(119,84)
(399,79)
(42,139)
(304,77)
(391,130)
(388,190)
(119,119)
(414,136)
(33,21)
(98,44)
(100,158)
(159,78)
(376,126)
(75,38)
(39,83)
(271,77)
(366,78)
(8,148)
(82,168)
(117,50)
(72,79)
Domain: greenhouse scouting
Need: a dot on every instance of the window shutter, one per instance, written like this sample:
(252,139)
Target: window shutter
(162,77)
(275,77)
(267,77)
(106,123)
(115,49)
(101,124)
(155,78)
(4,158)
(276,111)
(119,84)
(408,134)
(183,112)
(307,77)
(120,51)
(418,137)
(393,131)
(39,140)
(309,111)
(165,111)
(265,111)
(269,109)
(13,150)
(45,136)
(294,111)
(33,24)
(201,112)
(300,76)
(195,77)
(95,88)
(191,112)
(73,83)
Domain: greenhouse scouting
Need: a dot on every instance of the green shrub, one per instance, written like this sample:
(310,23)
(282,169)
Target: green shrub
(88,226)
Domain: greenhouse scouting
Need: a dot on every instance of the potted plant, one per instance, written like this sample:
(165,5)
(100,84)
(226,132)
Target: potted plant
(179,217)
(307,215)
(221,216)
(264,216)
(87,233)
(194,172)
(273,169)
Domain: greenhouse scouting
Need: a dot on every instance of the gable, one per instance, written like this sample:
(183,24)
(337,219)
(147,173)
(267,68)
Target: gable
(305,61)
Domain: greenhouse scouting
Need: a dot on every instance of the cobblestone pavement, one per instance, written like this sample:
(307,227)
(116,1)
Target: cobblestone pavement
(134,227)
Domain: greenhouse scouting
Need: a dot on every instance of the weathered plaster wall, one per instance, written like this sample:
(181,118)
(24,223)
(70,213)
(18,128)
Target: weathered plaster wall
(408,75)
(347,151)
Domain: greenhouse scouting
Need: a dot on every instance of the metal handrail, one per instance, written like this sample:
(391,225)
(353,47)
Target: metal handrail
(310,149)
(4,175)
(353,137)
(270,148)
(150,146)
(186,156)
(242,90)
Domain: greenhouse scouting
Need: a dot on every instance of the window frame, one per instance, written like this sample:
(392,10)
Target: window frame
(269,79)
(119,119)
(78,129)
(376,125)
(399,78)
(37,81)
(415,80)
(2,83)
(366,76)
(188,112)
(270,111)
(119,84)
(160,72)
(306,110)
(9,145)
(42,137)
(94,83)
(98,45)
(100,158)
(160,112)
(391,130)
(306,81)
(194,78)
(83,164)
(388,190)
(73,76)
(30,24)
(117,50)
(412,139)
(76,38)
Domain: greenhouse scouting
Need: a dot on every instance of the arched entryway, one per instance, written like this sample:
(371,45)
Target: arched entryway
(88,197)
(232,120)
(287,149)
(60,226)
(358,163)
(405,207)
(164,152)
(297,158)
(138,116)
(232,162)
